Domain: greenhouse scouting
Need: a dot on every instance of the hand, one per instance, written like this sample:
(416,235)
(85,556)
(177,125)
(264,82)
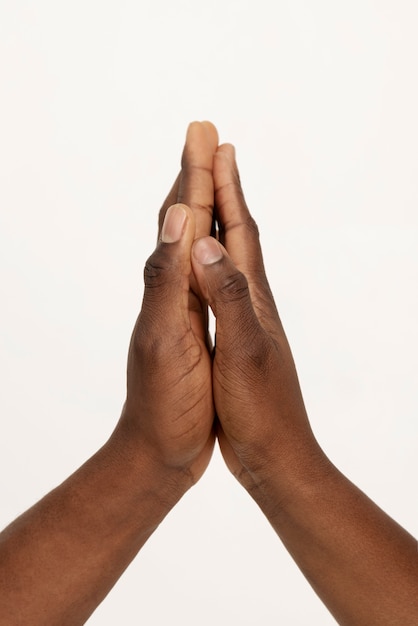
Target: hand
(169,405)
(262,421)
(360,562)
(60,558)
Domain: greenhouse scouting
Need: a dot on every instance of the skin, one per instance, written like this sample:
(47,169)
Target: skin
(361,563)
(60,559)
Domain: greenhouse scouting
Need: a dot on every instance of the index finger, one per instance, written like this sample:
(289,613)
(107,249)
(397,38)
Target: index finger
(237,228)
(196,181)
(238,232)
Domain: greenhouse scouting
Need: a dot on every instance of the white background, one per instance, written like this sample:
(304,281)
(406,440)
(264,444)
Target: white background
(321,101)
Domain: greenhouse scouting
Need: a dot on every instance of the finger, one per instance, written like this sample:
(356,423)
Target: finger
(243,355)
(167,272)
(226,290)
(254,378)
(196,183)
(196,190)
(238,232)
(238,229)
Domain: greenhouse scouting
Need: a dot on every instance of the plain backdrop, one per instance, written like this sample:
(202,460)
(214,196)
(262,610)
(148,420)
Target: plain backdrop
(321,100)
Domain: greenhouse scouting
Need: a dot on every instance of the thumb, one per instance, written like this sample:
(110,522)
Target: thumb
(167,271)
(243,352)
(226,290)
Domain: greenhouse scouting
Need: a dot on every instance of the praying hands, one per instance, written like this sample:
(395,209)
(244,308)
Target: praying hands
(185,390)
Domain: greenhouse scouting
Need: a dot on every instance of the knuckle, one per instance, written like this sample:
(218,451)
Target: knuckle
(194,196)
(207,208)
(156,268)
(253,365)
(190,166)
(234,287)
(251,225)
(259,357)
(224,192)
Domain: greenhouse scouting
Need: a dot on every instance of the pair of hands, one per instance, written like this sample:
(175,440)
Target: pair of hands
(181,394)
(60,558)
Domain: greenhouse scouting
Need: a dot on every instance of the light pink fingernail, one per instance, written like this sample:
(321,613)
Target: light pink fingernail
(207,251)
(174,222)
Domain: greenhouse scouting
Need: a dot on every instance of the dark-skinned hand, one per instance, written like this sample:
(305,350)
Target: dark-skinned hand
(169,407)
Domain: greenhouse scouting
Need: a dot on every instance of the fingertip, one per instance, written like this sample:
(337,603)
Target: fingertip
(212,134)
(207,251)
(196,131)
(225,160)
(227,150)
(191,128)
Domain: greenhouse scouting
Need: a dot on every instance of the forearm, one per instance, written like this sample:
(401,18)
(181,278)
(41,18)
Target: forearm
(60,559)
(362,564)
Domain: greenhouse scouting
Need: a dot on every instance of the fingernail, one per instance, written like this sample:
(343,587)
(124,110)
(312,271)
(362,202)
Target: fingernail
(174,222)
(190,129)
(228,152)
(207,251)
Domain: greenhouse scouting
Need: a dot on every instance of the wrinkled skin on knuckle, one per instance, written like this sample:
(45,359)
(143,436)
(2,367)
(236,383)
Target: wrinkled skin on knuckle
(253,368)
(234,287)
(245,225)
(205,209)
(156,268)
(252,226)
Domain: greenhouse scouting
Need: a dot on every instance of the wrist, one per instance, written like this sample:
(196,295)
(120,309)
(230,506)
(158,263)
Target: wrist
(142,469)
(284,477)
